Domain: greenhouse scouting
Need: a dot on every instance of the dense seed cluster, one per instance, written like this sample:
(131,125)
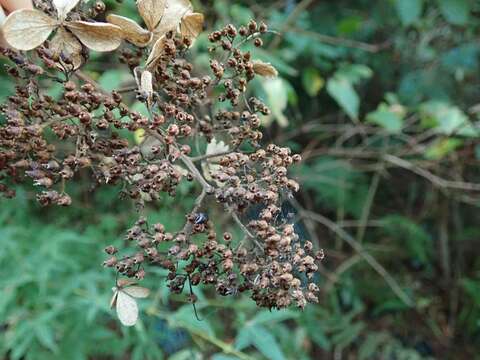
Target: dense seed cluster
(49,140)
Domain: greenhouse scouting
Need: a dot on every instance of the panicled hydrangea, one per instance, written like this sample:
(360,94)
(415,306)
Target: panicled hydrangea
(49,141)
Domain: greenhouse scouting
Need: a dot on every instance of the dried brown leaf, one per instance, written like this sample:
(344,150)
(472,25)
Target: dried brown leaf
(192,25)
(131,31)
(64,7)
(64,42)
(175,10)
(26,29)
(96,36)
(264,69)
(151,12)
(156,52)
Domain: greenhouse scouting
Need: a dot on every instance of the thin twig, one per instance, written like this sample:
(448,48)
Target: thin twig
(304,4)
(209,156)
(434,179)
(368,206)
(337,41)
(342,234)
(245,229)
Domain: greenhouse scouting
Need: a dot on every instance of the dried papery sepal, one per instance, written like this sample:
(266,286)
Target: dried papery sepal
(27,29)
(131,31)
(152,12)
(192,25)
(156,52)
(64,43)
(96,36)
(64,7)
(175,10)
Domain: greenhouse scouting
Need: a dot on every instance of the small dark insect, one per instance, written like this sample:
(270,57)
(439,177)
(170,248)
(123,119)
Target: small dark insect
(200,218)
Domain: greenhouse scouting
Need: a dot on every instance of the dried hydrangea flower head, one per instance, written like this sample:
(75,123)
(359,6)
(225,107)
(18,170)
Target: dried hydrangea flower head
(49,141)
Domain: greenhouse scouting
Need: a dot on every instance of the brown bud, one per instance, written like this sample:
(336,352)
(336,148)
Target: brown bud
(112,261)
(140,274)
(111,250)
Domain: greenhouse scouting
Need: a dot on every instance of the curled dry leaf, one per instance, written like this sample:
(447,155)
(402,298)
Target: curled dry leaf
(64,42)
(64,7)
(146,83)
(146,86)
(96,36)
(151,12)
(192,25)
(264,69)
(175,10)
(156,52)
(26,29)
(211,166)
(131,31)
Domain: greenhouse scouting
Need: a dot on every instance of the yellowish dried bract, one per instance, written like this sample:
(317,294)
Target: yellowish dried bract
(264,69)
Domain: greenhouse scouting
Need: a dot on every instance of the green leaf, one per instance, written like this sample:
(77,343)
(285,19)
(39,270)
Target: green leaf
(45,336)
(266,316)
(455,12)
(265,342)
(446,119)
(384,116)
(348,335)
(409,10)
(355,72)
(312,81)
(244,338)
(185,318)
(338,184)
(371,345)
(111,79)
(409,235)
(224,357)
(277,90)
(477,152)
(442,147)
(341,89)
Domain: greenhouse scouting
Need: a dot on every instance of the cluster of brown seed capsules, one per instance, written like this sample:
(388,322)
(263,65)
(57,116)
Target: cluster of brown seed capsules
(271,262)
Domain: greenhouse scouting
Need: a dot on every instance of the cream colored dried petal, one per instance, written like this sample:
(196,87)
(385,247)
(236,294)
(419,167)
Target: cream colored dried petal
(131,31)
(64,7)
(96,36)
(156,52)
(26,29)
(151,12)
(192,25)
(264,69)
(2,16)
(121,283)
(113,300)
(64,42)
(127,309)
(137,291)
(211,167)
(175,10)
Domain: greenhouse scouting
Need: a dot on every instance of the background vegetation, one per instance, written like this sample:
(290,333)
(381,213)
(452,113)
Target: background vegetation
(381,97)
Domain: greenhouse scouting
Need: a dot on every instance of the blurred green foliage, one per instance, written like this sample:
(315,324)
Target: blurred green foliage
(380,96)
